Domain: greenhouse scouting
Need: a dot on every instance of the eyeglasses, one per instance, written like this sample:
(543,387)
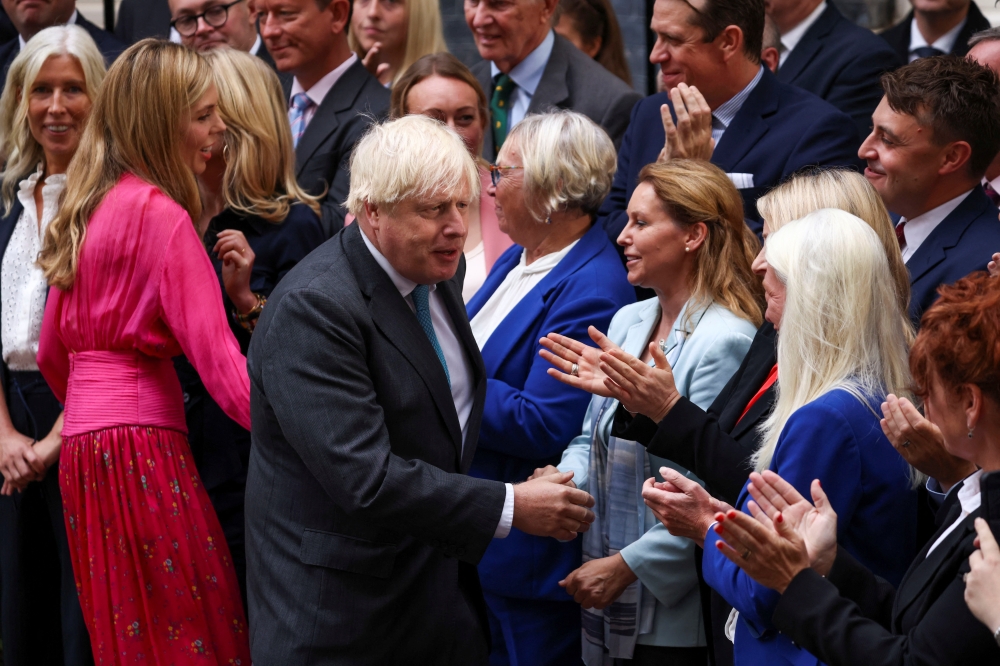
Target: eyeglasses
(215,17)
(497,171)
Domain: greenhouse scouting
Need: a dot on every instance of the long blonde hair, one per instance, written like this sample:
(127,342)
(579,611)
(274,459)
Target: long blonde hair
(20,152)
(136,126)
(260,166)
(841,326)
(424,34)
(693,191)
(849,191)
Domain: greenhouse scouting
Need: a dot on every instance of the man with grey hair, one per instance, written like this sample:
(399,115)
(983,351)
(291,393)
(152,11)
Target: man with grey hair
(367,392)
(528,68)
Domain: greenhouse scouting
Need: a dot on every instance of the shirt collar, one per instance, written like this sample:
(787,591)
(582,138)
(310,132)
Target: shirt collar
(404,284)
(319,91)
(969,494)
(945,42)
(255,49)
(920,227)
(527,74)
(71,21)
(727,110)
(791,38)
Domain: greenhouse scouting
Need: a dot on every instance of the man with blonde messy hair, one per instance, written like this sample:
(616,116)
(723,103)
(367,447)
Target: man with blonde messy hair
(363,530)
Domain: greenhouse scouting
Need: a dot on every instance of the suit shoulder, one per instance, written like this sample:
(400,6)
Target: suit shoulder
(723,322)
(590,74)
(860,42)
(809,109)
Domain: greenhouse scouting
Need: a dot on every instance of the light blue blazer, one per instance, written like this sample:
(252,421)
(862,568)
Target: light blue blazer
(712,345)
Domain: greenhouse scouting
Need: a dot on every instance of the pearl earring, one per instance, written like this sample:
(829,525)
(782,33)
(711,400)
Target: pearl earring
(687,249)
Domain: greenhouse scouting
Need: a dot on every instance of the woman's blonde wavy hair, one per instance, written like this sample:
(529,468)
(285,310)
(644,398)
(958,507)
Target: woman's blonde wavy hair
(424,34)
(20,152)
(260,161)
(814,189)
(137,125)
(842,324)
(693,191)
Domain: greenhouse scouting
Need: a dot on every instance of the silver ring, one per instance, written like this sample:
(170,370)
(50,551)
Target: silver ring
(906,444)
(575,370)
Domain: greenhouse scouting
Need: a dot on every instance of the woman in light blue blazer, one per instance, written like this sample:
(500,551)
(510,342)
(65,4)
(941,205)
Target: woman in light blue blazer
(687,241)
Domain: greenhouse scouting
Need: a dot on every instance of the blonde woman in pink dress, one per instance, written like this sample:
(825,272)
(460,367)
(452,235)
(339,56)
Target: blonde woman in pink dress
(132,287)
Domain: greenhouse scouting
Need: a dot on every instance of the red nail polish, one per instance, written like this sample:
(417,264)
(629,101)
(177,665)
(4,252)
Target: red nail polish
(781,518)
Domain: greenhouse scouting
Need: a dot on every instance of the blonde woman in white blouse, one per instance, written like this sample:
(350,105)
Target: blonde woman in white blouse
(50,89)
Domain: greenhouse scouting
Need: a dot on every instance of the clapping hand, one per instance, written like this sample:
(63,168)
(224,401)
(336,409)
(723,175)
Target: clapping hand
(691,136)
(682,505)
(577,364)
(920,443)
(982,583)
(371,61)
(994,266)
(641,388)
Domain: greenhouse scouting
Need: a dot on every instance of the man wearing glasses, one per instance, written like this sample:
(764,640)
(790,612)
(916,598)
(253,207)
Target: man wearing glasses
(30,18)
(210,24)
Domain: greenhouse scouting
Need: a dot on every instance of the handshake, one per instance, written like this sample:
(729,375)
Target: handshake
(549,504)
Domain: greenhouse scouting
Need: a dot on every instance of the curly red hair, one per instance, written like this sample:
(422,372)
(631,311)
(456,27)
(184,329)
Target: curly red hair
(959,339)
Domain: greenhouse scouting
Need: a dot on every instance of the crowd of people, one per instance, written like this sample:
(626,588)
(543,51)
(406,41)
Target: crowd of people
(321,346)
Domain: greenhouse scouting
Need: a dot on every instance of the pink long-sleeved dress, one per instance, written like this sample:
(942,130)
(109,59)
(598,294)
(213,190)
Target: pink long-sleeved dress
(155,578)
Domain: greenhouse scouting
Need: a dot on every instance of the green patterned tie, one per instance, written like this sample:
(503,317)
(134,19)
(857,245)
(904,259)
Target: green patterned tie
(503,86)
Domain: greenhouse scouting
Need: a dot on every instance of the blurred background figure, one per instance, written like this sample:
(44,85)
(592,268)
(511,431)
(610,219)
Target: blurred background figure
(139,19)
(30,18)
(390,35)
(256,224)
(685,240)
(592,27)
(562,276)
(49,92)
(443,88)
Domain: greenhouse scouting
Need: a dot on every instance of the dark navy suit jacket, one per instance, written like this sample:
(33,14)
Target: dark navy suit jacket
(107,43)
(778,130)
(529,417)
(898,35)
(963,243)
(842,63)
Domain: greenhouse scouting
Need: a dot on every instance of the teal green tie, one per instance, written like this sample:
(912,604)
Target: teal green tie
(421,302)
(503,86)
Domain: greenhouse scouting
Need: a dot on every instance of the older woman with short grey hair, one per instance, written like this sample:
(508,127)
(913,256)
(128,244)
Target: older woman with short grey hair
(562,275)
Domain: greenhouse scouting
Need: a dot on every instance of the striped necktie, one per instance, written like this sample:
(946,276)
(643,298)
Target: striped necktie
(297,115)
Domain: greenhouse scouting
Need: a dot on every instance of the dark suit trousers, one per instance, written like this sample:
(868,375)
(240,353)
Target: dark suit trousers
(40,615)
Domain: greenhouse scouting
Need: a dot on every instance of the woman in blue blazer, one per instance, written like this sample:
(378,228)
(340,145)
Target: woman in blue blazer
(563,274)
(687,241)
(841,349)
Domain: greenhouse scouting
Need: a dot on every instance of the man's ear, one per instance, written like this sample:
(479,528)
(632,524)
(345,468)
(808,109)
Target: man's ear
(341,13)
(730,42)
(956,157)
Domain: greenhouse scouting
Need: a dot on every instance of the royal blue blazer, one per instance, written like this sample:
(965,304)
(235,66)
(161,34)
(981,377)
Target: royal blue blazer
(836,439)
(779,129)
(963,243)
(529,417)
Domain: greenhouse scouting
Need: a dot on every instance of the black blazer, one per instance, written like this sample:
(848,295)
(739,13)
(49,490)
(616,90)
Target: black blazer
(7,29)
(7,224)
(898,35)
(107,43)
(963,243)
(138,19)
(323,155)
(842,63)
(573,80)
(712,444)
(362,528)
(854,617)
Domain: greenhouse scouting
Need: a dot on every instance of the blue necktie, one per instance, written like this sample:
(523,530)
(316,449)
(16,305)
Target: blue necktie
(421,302)
(297,116)
(927,52)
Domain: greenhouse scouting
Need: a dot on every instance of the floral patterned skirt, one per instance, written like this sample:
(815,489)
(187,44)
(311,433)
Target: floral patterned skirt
(154,574)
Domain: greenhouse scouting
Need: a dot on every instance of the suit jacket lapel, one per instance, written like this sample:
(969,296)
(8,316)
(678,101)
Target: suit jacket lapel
(393,317)
(340,98)
(946,235)
(748,126)
(809,46)
(760,364)
(552,91)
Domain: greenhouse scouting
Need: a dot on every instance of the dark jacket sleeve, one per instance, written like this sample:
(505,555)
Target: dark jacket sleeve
(814,614)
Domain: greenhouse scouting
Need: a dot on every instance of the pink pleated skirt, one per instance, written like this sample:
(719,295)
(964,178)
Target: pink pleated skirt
(154,574)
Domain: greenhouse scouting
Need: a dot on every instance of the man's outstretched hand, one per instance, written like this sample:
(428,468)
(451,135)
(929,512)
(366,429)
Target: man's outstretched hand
(547,506)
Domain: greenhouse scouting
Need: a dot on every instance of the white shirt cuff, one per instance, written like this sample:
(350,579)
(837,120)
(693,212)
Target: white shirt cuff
(507,517)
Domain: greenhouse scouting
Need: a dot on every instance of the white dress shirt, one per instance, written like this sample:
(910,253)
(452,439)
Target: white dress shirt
(319,91)
(724,115)
(23,287)
(475,271)
(945,42)
(919,228)
(521,280)
(791,39)
(255,49)
(71,21)
(526,76)
(970,499)
(459,368)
